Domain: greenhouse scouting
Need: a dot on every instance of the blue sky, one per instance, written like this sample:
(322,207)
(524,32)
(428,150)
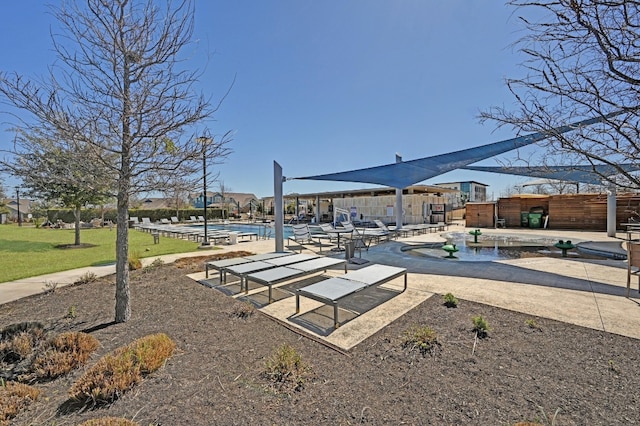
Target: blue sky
(325,86)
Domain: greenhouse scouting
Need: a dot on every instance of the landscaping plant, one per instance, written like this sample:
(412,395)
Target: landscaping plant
(423,338)
(450,301)
(121,369)
(286,369)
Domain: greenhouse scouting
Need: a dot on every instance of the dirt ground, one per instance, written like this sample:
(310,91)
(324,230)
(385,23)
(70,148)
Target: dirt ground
(526,369)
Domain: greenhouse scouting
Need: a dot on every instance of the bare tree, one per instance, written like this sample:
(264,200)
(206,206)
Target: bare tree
(224,190)
(119,89)
(177,189)
(582,61)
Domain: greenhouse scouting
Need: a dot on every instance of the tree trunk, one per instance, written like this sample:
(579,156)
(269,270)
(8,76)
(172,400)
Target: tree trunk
(76,214)
(123,306)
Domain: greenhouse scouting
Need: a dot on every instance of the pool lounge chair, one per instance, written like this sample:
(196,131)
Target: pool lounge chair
(242,270)
(328,234)
(385,228)
(332,290)
(271,277)
(174,219)
(301,235)
(220,265)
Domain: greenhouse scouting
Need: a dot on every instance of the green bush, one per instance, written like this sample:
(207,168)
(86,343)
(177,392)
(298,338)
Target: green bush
(134,261)
(480,326)
(450,301)
(531,323)
(121,369)
(286,369)
(423,338)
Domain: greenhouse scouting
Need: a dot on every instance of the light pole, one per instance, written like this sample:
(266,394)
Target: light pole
(18,203)
(205,142)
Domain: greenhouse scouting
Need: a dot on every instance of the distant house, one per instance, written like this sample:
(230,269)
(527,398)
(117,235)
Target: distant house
(156,203)
(12,206)
(233,202)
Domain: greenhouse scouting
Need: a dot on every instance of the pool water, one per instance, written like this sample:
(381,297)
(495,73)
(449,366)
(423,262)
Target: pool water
(261,229)
(495,247)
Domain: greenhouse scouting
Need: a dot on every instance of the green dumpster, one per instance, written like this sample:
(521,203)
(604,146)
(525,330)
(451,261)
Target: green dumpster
(524,219)
(535,220)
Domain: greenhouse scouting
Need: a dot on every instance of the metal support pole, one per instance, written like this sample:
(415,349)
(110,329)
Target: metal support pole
(611,212)
(278,207)
(205,143)
(204,186)
(18,204)
(398,200)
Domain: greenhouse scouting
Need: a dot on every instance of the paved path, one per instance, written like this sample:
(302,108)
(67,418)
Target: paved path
(582,292)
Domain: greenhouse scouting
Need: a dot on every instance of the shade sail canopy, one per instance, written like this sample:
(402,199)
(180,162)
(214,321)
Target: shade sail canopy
(401,175)
(591,174)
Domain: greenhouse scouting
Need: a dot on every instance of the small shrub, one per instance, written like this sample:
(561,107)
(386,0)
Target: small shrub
(286,369)
(450,301)
(423,338)
(134,261)
(86,278)
(71,312)
(613,367)
(13,329)
(109,421)
(243,310)
(61,354)
(153,265)
(121,369)
(13,398)
(480,326)
(18,341)
(50,287)
(531,323)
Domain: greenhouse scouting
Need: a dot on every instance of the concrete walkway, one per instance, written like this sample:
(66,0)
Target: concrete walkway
(589,293)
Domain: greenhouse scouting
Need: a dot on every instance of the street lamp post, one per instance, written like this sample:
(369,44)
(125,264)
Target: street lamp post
(18,203)
(205,142)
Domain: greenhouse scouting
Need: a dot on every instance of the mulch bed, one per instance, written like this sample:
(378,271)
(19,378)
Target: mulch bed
(524,370)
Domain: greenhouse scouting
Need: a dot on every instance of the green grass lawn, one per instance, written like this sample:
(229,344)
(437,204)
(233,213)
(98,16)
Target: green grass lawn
(28,251)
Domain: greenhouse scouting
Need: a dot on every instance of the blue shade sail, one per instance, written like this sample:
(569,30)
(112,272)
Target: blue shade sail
(401,175)
(591,174)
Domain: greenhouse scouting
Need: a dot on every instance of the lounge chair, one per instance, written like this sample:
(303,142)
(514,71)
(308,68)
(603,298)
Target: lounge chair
(271,277)
(361,238)
(328,233)
(384,228)
(165,221)
(244,269)
(220,265)
(301,235)
(174,220)
(332,290)
(192,219)
(200,218)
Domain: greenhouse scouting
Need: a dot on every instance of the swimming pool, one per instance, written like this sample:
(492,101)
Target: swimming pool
(494,247)
(262,230)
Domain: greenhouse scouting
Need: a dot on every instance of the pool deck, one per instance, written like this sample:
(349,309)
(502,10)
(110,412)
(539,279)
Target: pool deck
(588,293)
